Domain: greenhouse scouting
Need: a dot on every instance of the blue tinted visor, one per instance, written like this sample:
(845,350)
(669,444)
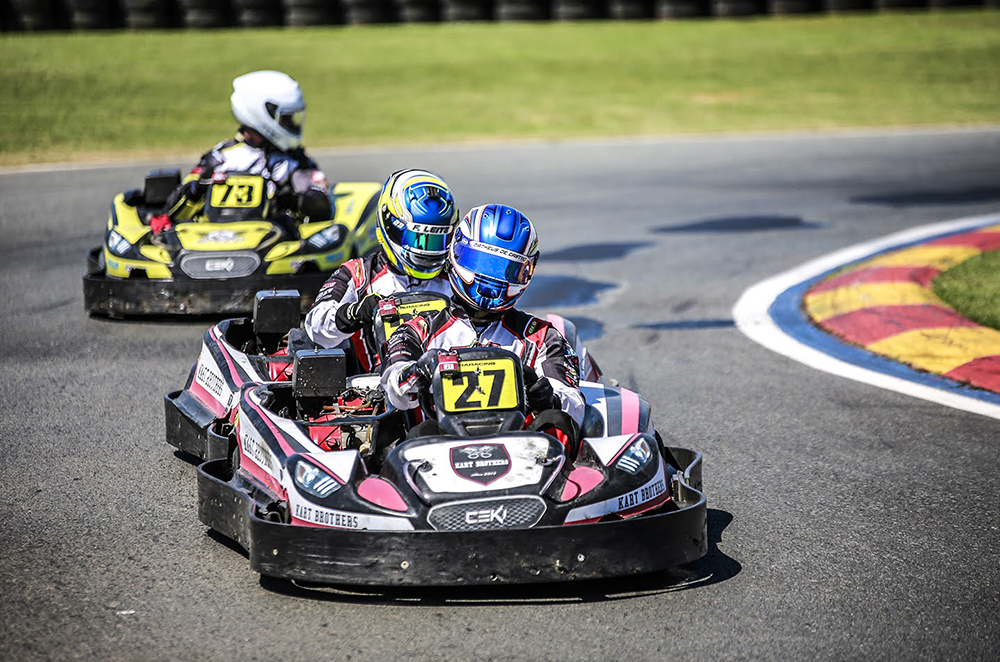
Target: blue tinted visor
(423,241)
(505,266)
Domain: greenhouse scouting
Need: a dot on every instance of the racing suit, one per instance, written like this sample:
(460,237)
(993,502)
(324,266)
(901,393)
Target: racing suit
(295,183)
(353,281)
(540,347)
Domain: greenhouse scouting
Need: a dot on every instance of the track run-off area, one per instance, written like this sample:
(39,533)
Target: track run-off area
(846,520)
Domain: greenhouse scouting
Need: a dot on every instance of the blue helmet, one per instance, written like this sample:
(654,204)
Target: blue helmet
(415,218)
(493,257)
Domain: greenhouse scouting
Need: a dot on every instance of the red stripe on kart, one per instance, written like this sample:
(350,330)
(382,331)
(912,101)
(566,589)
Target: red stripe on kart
(207,399)
(920,275)
(870,325)
(983,372)
(258,474)
(630,411)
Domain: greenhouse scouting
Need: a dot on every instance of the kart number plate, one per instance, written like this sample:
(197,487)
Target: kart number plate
(407,311)
(238,192)
(480,384)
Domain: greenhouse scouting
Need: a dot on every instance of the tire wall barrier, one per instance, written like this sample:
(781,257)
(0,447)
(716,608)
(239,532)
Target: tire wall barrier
(40,15)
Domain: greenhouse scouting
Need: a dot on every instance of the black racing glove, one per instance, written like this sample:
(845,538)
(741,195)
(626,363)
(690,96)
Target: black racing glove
(422,369)
(539,392)
(353,316)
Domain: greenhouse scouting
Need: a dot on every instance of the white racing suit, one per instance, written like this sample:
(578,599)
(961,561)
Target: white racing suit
(351,282)
(538,344)
(295,183)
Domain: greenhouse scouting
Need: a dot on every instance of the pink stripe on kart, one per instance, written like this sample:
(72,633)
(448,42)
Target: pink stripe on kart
(630,411)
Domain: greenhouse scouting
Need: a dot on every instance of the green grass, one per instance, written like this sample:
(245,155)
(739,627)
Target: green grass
(74,96)
(973,288)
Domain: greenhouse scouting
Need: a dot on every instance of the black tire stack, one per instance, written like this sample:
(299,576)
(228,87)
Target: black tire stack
(201,14)
(150,14)
(361,12)
(94,14)
(38,15)
(257,13)
(466,10)
(521,10)
(681,8)
(311,12)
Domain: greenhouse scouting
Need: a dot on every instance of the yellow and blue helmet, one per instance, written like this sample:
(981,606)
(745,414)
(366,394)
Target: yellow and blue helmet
(416,218)
(493,257)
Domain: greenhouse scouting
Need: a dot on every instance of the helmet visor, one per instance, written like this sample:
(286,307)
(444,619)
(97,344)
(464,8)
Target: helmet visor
(494,262)
(292,121)
(426,242)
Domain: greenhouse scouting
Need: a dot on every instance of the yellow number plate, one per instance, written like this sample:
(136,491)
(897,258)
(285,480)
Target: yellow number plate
(482,384)
(408,311)
(238,192)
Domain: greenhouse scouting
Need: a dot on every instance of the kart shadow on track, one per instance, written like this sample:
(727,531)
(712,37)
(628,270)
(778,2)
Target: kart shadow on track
(713,568)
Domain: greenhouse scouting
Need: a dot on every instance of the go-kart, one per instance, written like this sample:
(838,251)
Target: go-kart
(215,263)
(260,348)
(316,479)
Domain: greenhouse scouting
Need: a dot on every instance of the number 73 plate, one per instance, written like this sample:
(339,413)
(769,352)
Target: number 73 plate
(480,384)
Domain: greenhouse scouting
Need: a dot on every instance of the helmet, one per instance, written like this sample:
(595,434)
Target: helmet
(415,218)
(270,103)
(493,257)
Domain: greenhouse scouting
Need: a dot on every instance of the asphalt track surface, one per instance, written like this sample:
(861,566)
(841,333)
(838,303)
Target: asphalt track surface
(846,522)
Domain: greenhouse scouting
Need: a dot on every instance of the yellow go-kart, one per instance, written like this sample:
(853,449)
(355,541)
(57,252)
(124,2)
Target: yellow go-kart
(216,262)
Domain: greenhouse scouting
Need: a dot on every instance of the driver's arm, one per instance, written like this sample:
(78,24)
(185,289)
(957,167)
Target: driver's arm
(558,363)
(401,384)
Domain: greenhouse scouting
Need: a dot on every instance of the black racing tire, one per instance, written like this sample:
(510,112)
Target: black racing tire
(784,7)
(576,10)
(305,16)
(847,5)
(681,8)
(417,11)
(201,19)
(734,8)
(257,18)
(521,10)
(630,10)
(362,12)
(889,5)
(454,11)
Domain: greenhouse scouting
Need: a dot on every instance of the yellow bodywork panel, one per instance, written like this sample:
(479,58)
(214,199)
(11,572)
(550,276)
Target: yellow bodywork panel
(281,250)
(222,236)
(123,268)
(350,200)
(126,222)
(155,253)
(840,301)
(940,350)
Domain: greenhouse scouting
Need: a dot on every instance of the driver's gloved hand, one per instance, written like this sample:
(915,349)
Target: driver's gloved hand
(353,316)
(539,392)
(420,372)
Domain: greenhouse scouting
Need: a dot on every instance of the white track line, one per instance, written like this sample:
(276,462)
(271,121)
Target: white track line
(752,317)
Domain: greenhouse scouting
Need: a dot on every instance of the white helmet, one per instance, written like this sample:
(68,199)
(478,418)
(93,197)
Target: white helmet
(270,103)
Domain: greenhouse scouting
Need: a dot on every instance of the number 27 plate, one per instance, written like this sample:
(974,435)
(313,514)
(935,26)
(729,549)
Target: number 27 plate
(480,384)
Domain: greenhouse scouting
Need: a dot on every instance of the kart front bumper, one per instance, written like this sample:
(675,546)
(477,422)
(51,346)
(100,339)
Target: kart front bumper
(189,427)
(125,297)
(435,558)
